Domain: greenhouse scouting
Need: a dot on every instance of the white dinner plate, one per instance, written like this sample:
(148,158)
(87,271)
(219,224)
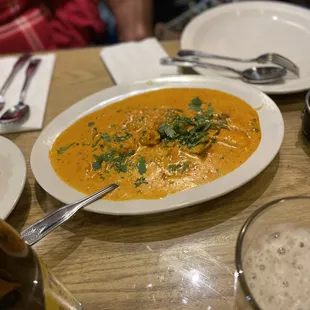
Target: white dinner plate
(249,29)
(12,176)
(272,128)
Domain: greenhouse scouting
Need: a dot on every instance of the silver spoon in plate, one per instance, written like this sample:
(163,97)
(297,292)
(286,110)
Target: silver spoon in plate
(274,58)
(254,75)
(43,227)
(20,110)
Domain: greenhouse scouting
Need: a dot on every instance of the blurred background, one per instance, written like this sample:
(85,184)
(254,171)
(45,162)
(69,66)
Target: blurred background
(168,17)
(34,25)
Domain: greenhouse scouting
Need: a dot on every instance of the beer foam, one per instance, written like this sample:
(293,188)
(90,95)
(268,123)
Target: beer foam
(277,268)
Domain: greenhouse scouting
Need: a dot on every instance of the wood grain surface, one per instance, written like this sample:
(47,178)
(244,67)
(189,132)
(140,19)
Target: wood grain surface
(177,260)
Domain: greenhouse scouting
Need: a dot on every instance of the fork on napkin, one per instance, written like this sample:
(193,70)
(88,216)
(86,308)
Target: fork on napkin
(36,96)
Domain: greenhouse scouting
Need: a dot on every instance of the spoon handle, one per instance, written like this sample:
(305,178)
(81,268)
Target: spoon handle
(187,53)
(31,70)
(195,63)
(17,66)
(40,229)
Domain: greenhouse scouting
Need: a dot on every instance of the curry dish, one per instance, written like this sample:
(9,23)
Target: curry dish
(157,143)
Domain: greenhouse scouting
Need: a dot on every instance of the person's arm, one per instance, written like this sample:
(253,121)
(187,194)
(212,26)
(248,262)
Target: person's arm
(133,18)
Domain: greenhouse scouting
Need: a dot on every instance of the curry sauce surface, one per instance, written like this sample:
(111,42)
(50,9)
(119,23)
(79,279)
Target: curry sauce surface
(157,143)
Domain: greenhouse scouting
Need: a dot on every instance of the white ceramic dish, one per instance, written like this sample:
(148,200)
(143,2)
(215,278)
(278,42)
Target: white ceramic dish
(272,134)
(249,29)
(12,176)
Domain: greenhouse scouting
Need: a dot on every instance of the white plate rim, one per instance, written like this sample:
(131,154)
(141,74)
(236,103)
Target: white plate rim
(194,24)
(9,201)
(50,182)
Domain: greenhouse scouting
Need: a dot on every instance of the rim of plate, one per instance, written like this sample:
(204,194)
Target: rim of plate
(18,177)
(270,119)
(195,24)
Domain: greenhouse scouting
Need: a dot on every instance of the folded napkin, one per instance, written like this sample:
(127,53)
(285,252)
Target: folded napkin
(136,61)
(36,96)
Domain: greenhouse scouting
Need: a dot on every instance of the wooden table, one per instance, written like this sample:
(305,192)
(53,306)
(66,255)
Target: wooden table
(177,260)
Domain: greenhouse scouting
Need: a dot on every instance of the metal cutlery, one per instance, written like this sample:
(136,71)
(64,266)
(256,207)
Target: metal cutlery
(40,229)
(16,68)
(262,59)
(254,75)
(17,112)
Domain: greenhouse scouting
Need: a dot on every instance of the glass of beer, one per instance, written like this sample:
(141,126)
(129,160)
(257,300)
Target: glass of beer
(25,282)
(273,257)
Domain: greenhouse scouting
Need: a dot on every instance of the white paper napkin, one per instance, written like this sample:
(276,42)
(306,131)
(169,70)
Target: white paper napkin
(136,61)
(36,96)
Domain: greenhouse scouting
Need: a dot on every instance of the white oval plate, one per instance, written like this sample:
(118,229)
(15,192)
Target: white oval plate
(249,29)
(12,176)
(272,135)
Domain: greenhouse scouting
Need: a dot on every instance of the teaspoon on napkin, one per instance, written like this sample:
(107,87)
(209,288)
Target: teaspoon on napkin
(20,110)
(16,68)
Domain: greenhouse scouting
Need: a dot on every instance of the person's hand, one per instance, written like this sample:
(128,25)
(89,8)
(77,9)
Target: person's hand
(133,18)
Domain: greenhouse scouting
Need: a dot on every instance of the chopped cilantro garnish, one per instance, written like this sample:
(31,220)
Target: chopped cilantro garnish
(141,165)
(91,124)
(210,110)
(108,156)
(140,181)
(123,138)
(117,162)
(131,153)
(96,165)
(177,167)
(204,117)
(174,167)
(167,130)
(195,104)
(190,132)
(62,149)
(223,123)
(185,166)
(105,157)
(104,136)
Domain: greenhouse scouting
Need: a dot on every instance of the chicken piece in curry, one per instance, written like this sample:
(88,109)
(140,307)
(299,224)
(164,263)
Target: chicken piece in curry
(157,143)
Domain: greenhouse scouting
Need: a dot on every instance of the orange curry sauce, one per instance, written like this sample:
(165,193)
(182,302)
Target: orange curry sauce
(157,143)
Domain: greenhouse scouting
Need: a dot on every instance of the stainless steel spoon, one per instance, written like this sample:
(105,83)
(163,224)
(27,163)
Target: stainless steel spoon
(40,229)
(17,112)
(262,59)
(254,75)
(16,68)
